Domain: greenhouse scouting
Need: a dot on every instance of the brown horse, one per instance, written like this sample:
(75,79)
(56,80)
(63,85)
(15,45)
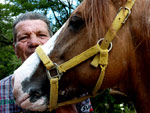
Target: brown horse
(128,66)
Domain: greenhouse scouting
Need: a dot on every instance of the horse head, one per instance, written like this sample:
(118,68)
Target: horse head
(87,26)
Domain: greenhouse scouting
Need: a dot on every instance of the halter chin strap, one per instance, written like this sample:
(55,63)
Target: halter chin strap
(100,51)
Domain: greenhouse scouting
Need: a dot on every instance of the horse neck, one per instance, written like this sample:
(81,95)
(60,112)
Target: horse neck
(137,85)
(136,79)
(141,41)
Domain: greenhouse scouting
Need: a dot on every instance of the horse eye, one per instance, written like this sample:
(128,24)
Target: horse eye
(76,23)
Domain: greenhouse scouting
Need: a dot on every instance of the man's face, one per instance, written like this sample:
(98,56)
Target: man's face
(30,34)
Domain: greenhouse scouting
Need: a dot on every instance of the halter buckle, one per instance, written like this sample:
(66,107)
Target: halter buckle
(129,12)
(54,72)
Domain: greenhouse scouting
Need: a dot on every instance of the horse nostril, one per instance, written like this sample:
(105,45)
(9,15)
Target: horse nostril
(34,93)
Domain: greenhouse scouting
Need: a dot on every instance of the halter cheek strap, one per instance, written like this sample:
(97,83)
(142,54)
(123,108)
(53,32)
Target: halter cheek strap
(100,51)
(52,80)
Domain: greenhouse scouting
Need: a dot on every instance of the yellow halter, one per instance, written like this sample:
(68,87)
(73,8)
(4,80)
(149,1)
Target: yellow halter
(101,59)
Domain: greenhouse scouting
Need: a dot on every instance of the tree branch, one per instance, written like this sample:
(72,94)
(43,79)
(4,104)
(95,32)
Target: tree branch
(64,6)
(56,18)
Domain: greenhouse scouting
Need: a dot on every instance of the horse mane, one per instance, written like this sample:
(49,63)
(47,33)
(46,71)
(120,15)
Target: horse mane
(96,15)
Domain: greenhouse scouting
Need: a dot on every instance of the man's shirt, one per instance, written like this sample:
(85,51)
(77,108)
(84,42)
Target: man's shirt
(7,103)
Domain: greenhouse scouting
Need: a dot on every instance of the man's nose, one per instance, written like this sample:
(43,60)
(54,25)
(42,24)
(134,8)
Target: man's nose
(34,41)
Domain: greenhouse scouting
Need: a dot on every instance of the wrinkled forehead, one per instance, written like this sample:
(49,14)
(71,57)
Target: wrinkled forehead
(31,24)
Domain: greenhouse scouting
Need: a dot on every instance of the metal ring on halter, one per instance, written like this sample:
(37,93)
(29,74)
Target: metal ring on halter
(100,40)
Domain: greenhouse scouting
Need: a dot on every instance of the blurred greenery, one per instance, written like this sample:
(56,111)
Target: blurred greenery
(116,103)
(57,11)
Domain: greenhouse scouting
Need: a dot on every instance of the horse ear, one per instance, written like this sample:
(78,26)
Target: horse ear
(118,3)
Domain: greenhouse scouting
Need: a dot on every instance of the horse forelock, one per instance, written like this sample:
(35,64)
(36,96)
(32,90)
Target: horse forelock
(96,14)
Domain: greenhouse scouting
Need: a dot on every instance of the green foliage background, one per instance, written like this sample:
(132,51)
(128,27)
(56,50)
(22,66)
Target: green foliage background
(57,11)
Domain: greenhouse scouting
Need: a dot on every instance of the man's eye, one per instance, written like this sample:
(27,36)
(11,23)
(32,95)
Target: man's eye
(42,35)
(23,38)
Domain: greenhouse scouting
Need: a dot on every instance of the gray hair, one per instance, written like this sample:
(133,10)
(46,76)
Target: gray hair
(30,16)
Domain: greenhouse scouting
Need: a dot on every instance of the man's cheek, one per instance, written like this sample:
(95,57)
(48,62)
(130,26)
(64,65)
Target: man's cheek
(43,41)
(20,51)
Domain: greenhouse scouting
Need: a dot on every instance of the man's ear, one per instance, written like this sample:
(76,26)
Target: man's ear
(14,47)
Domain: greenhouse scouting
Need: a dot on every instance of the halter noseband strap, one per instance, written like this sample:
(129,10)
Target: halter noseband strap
(101,58)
